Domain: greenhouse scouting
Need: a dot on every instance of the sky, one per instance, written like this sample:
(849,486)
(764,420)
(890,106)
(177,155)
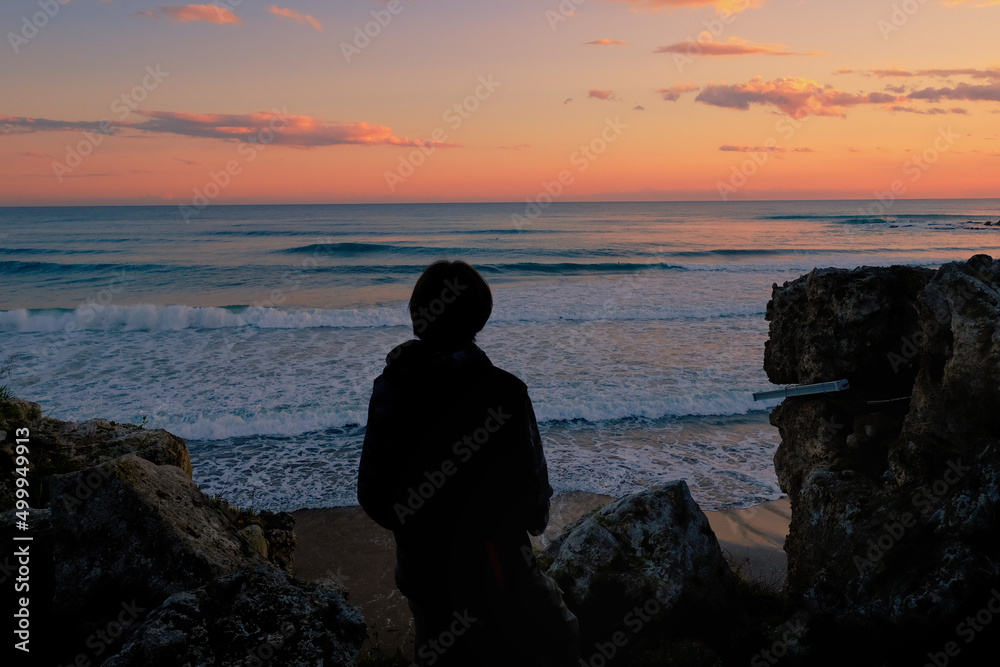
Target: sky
(353,101)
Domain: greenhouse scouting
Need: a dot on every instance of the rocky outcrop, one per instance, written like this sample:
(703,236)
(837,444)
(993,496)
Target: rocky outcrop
(145,530)
(59,447)
(132,564)
(253,617)
(648,560)
(894,484)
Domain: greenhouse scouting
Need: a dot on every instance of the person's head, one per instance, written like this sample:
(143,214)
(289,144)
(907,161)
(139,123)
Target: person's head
(450,303)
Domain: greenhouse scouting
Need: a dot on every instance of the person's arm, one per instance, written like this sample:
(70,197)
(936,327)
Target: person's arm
(377,473)
(537,489)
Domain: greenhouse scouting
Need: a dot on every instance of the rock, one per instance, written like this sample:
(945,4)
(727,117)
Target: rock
(80,445)
(279,531)
(16,412)
(834,324)
(894,484)
(59,447)
(133,530)
(653,550)
(252,617)
(254,535)
(956,394)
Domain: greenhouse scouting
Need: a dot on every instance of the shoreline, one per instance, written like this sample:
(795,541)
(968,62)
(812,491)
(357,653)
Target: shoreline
(343,545)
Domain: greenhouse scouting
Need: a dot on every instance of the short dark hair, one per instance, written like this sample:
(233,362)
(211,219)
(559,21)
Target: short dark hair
(450,303)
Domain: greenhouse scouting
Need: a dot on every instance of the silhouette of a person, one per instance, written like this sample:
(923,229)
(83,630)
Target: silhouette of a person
(452,463)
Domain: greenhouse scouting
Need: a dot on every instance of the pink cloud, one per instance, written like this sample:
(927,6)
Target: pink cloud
(276,128)
(296,16)
(733,6)
(602,94)
(733,47)
(187,13)
(605,42)
(674,93)
(794,96)
(261,127)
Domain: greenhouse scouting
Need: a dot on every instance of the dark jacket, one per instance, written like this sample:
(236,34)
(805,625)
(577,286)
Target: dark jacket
(452,463)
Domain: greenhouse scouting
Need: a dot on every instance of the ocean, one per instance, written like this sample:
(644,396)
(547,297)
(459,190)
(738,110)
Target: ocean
(255,332)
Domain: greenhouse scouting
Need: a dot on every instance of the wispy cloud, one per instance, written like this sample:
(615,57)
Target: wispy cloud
(261,127)
(989,92)
(23,125)
(763,149)
(794,96)
(187,13)
(733,47)
(674,93)
(933,111)
(605,42)
(288,130)
(974,3)
(720,6)
(602,94)
(296,16)
(990,73)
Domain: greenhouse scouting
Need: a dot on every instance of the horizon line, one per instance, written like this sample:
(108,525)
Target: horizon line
(457,203)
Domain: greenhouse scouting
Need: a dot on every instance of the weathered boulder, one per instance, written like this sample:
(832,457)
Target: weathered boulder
(133,530)
(16,412)
(832,324)
(646,560)
(58,447)
(894,484)
(252,617)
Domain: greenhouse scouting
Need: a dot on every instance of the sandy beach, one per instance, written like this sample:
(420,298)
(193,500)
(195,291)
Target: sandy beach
(343,545)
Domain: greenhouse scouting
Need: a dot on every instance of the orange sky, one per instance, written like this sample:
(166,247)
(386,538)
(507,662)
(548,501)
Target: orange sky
(242,101)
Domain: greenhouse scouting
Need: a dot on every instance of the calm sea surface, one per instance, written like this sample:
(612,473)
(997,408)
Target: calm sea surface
(254,332)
